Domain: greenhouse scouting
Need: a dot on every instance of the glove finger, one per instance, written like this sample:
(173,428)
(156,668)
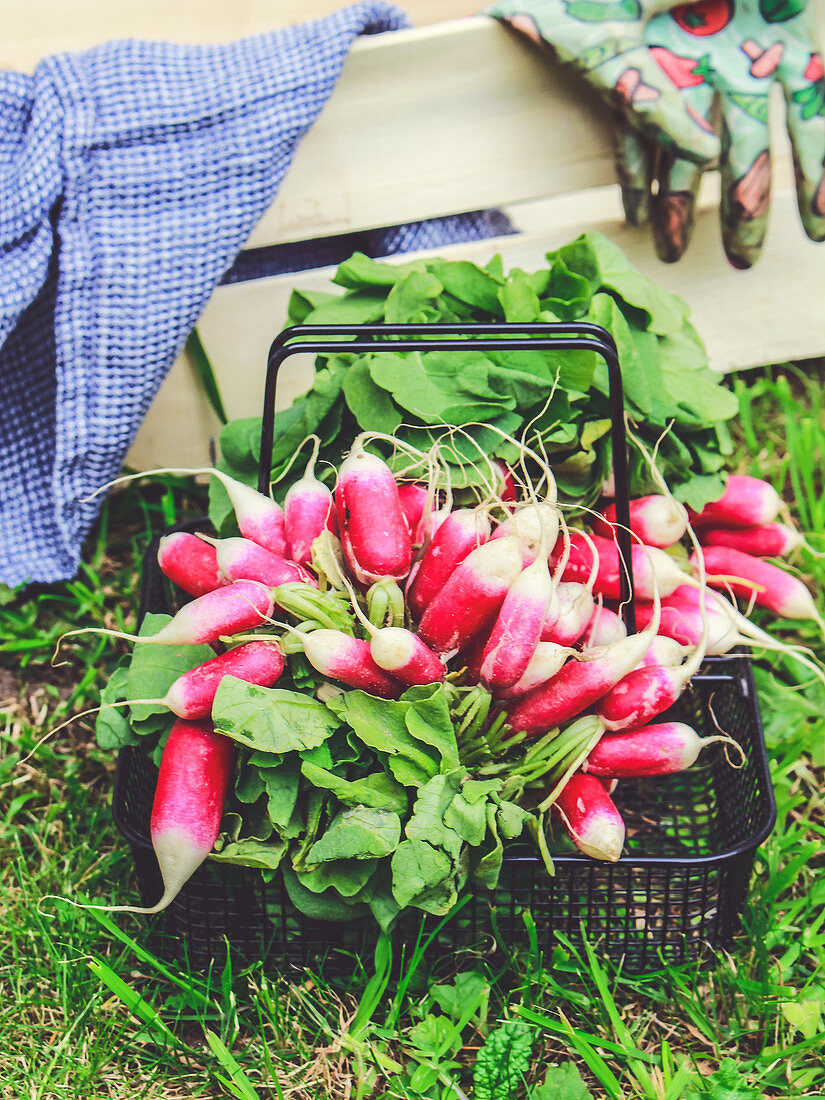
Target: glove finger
(805,102)
(674,205)
(634,156)
(745,169)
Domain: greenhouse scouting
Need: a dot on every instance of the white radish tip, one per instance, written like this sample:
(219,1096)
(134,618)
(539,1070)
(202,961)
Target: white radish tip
(604,839)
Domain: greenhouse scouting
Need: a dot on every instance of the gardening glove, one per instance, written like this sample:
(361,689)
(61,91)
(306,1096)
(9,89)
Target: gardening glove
(711,52)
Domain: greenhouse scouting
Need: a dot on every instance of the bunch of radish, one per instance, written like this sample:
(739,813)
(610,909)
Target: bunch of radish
(494,594)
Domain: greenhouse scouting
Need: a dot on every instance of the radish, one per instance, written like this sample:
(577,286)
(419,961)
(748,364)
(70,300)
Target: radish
(461,532)
(664,650)
(520,620)
(192,694)
(746,502)
(659,749)
(405,656)
(472,595)
(190,563)
(374,532)
(241,559)
(647,692)
(579,684)
(506,486)
(188,805)
(657,520)
(589,815)
(605,626)
(575,606)
(414,498)
(308,510)
(646,561)
(547,659)
(349,660)
(770,540)
(186,813)
(239,606)
(530,523)
(778,591)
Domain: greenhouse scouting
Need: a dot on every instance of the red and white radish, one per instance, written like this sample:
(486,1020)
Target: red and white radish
(746,502)
(530,523)
(547,659)
(461,532)
(660,749)
(604,628)
(657,520)
(665,651)
(190,563)
(241,559)
(590,817)
(646,560)
(193,693)
(405,656)
(348,660)
(308,510)
(374,533)
(470,598)
(575,610)
(259,517)
(770,540)
(770,586)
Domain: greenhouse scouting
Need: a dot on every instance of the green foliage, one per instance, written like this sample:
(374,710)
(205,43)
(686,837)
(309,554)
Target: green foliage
(419,394)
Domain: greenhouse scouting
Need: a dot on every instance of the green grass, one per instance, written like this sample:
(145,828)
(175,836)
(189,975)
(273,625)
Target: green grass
(87,1010)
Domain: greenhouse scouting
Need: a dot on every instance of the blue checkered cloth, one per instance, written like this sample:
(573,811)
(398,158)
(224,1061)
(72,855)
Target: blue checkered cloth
(130,176)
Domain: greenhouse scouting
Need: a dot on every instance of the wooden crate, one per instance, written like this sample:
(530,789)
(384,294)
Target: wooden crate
(446,118)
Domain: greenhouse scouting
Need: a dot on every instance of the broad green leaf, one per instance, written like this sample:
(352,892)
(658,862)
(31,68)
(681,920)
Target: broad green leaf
(346,876)
(428,720)
(371,405)
(378,790)
(510,819)
(518,299)
(154,668)
(467,819)
(303,302)
(561,1082)
(327,906)
(271,719)
(417,867)
(358,308)
(469,283)
(378,895)
(112,729)
(411,299)
(404,376)
(605,311)
(666,311)
(486,864)
(361,271)
(503,1061)
(264,855)
(359,832)
(281,784)
(427,821)
(381,725)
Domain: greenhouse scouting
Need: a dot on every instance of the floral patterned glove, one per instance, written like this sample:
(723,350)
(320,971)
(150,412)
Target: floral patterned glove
(697,61)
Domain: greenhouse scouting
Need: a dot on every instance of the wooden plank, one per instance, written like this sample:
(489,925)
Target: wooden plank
(768,314)
(38,28)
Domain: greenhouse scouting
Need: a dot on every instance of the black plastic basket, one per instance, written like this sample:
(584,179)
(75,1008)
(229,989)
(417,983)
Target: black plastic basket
(676,894)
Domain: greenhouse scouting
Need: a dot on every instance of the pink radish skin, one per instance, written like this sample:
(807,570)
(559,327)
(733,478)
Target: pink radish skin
(237,607)
(414,499)
(374,534)
(665,651)
(657,520)
(190,563)
(186,813)
(576,606)
(645,560)
(405,656)
(642,695)
(308,511)
(604,628)
(659,749)
(518,626)
(471,597)
(461,532)
(579,684)
(244,560)
(191,696)
(771,540)
(590,817)
(259,518)
(783,594)
(682,622)
(746,502)
(546,661)
(350,661)
(506,487)
(528,522)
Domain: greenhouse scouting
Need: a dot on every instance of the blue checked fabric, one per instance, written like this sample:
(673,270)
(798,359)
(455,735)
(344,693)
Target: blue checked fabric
(130,176)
